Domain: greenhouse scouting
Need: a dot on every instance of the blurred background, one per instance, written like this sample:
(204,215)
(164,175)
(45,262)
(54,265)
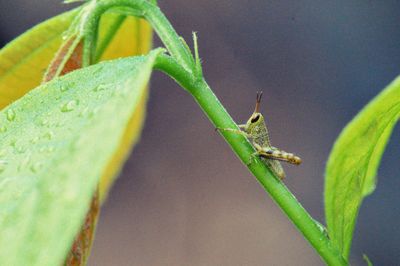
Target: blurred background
(183,198)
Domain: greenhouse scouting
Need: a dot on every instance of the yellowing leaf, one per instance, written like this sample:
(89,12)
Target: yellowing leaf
(58,139)
(132,37)
(353,163)
(24,60)
(122,36)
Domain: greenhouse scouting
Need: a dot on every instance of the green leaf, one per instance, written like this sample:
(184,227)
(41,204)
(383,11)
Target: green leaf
(133,37)
(56,142)
(24,60)
(121,36)
(353,163)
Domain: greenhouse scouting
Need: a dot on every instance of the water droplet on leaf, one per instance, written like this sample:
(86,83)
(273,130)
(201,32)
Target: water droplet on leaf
(44,122)
(47,149)
(10,115)
(69,106)
(35,140)
(49,135)
(36,167)
(20,149)
(100,87)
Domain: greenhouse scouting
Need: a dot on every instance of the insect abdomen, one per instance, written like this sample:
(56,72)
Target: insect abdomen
(281,155)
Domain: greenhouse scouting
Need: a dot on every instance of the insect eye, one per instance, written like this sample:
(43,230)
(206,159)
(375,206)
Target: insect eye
(255,119)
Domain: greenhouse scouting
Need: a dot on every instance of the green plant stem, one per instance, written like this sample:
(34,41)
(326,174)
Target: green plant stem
(243,149)
(139,8)
(182,67)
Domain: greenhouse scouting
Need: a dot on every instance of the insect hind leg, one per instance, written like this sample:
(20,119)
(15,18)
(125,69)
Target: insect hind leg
(276,154)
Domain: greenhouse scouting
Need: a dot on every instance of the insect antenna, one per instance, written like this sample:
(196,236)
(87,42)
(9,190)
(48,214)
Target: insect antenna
(258,100)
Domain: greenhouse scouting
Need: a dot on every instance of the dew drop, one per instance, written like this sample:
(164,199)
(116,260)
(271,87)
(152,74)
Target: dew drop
(49,135)
(97,71)
(44,122)
(35,140)
(321,227)
(63,88)
(36,167)
(10,115)
(46,149)
(69,106)
(20,149)
(100,87)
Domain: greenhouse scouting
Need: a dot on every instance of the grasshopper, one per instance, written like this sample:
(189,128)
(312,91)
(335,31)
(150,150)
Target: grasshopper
(256,130)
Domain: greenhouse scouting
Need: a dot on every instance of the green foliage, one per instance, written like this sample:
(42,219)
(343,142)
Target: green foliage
(55,144)
(353,163)
(23,60)
(63,139)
